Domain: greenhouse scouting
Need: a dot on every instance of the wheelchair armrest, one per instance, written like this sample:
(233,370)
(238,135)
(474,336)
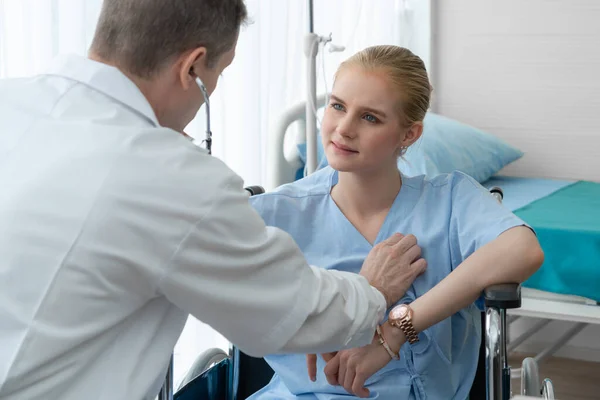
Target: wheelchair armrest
(503,296)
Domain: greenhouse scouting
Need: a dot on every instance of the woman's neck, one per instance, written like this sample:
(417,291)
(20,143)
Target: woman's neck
(367,194)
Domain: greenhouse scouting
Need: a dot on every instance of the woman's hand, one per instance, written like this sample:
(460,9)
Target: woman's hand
(351,368)
(311,363)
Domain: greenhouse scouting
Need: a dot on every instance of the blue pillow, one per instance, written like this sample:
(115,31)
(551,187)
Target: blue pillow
(446,146)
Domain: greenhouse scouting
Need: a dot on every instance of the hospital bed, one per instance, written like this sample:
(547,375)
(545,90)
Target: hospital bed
(232,375)
(566,217)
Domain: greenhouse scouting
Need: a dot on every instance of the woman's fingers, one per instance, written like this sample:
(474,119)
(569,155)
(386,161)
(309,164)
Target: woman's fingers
(358,387)
(311,365)
(341,378)
(349,378)
(332,370)
(328,356)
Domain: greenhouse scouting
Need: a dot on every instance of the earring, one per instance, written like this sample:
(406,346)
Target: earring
(403,150)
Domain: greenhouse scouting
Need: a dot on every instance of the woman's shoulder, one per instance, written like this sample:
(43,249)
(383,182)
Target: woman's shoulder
(295,196)
(442,183)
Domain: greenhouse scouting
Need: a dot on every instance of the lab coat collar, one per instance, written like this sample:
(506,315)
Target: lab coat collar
(105,79)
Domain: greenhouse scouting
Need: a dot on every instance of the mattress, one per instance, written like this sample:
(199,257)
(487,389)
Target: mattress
(566,218)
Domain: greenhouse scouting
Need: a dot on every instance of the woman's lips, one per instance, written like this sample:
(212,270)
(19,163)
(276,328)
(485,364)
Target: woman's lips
(343,149)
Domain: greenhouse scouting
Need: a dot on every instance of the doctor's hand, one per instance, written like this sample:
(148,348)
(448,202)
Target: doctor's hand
(392,266)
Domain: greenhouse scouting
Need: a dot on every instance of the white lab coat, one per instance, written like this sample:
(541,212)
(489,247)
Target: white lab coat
(113,229)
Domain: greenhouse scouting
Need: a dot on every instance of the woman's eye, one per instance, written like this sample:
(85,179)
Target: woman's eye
(337,106)
(371,118)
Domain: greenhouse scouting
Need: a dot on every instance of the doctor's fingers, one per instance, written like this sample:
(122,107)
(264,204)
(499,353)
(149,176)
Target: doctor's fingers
(419,266)
(392,240)
(406,243)
(412,254)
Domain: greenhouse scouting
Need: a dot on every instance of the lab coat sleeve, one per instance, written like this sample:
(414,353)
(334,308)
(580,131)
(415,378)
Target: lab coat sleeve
(252,284)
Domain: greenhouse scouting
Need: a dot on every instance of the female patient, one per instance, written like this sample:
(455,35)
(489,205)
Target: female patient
(337,214)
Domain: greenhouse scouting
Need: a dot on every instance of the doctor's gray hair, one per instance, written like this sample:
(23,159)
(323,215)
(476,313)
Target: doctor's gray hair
(142,36)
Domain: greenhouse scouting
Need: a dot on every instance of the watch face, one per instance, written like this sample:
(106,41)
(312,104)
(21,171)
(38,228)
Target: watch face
(398,312)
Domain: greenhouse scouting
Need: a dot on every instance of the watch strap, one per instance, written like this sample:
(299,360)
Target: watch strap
(409,331)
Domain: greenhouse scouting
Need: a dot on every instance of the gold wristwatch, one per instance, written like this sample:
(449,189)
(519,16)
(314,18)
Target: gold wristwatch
(401,317)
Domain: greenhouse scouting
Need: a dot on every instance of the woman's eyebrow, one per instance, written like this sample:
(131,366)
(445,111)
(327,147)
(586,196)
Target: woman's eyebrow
(368,109)
(335,98)
(375,111)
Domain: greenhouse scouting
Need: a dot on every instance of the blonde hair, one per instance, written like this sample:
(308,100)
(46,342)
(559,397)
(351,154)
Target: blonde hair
(406,72)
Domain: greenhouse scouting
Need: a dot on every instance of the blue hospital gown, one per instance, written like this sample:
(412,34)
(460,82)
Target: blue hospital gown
(451,216)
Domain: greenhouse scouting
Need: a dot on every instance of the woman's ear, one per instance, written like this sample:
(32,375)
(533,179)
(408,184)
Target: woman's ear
(413,133)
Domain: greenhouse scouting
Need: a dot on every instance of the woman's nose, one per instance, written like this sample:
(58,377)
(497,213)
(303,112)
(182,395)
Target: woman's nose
(345,128)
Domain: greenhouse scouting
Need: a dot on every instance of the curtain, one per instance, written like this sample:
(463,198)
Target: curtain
(33,32)
(267,75)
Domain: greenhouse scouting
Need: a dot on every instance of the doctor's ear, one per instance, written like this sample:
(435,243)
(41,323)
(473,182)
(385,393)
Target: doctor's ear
(190,65)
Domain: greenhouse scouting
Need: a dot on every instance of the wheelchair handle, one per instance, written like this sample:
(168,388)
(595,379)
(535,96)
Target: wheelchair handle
(503,296)
(254,190)
(497,193)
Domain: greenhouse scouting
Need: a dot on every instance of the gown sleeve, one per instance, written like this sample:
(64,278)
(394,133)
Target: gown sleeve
(476,218)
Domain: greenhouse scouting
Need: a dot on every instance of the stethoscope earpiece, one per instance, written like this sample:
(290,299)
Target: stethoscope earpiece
(208,139)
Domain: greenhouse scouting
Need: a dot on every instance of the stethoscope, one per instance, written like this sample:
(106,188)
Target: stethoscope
(208,139)
(253,190)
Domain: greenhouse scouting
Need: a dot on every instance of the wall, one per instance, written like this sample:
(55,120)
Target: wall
(528,72)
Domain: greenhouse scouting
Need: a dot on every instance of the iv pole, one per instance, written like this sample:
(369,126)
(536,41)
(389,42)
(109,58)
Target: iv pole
(311,49)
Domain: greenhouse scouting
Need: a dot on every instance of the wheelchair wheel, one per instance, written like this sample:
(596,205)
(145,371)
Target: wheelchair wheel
(203,362)
(530,378)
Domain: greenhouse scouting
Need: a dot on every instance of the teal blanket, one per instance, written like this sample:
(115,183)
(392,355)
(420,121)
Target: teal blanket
(567,223)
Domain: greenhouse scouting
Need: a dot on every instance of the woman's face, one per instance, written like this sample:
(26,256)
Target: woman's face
(362,127)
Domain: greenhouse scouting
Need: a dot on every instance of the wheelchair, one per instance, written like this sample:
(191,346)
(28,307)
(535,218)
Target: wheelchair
(217,375)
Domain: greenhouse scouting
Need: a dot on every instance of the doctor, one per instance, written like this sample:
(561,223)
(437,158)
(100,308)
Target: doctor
(114,226)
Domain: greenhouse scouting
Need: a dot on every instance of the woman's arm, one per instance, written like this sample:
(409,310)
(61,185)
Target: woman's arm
(511,258)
